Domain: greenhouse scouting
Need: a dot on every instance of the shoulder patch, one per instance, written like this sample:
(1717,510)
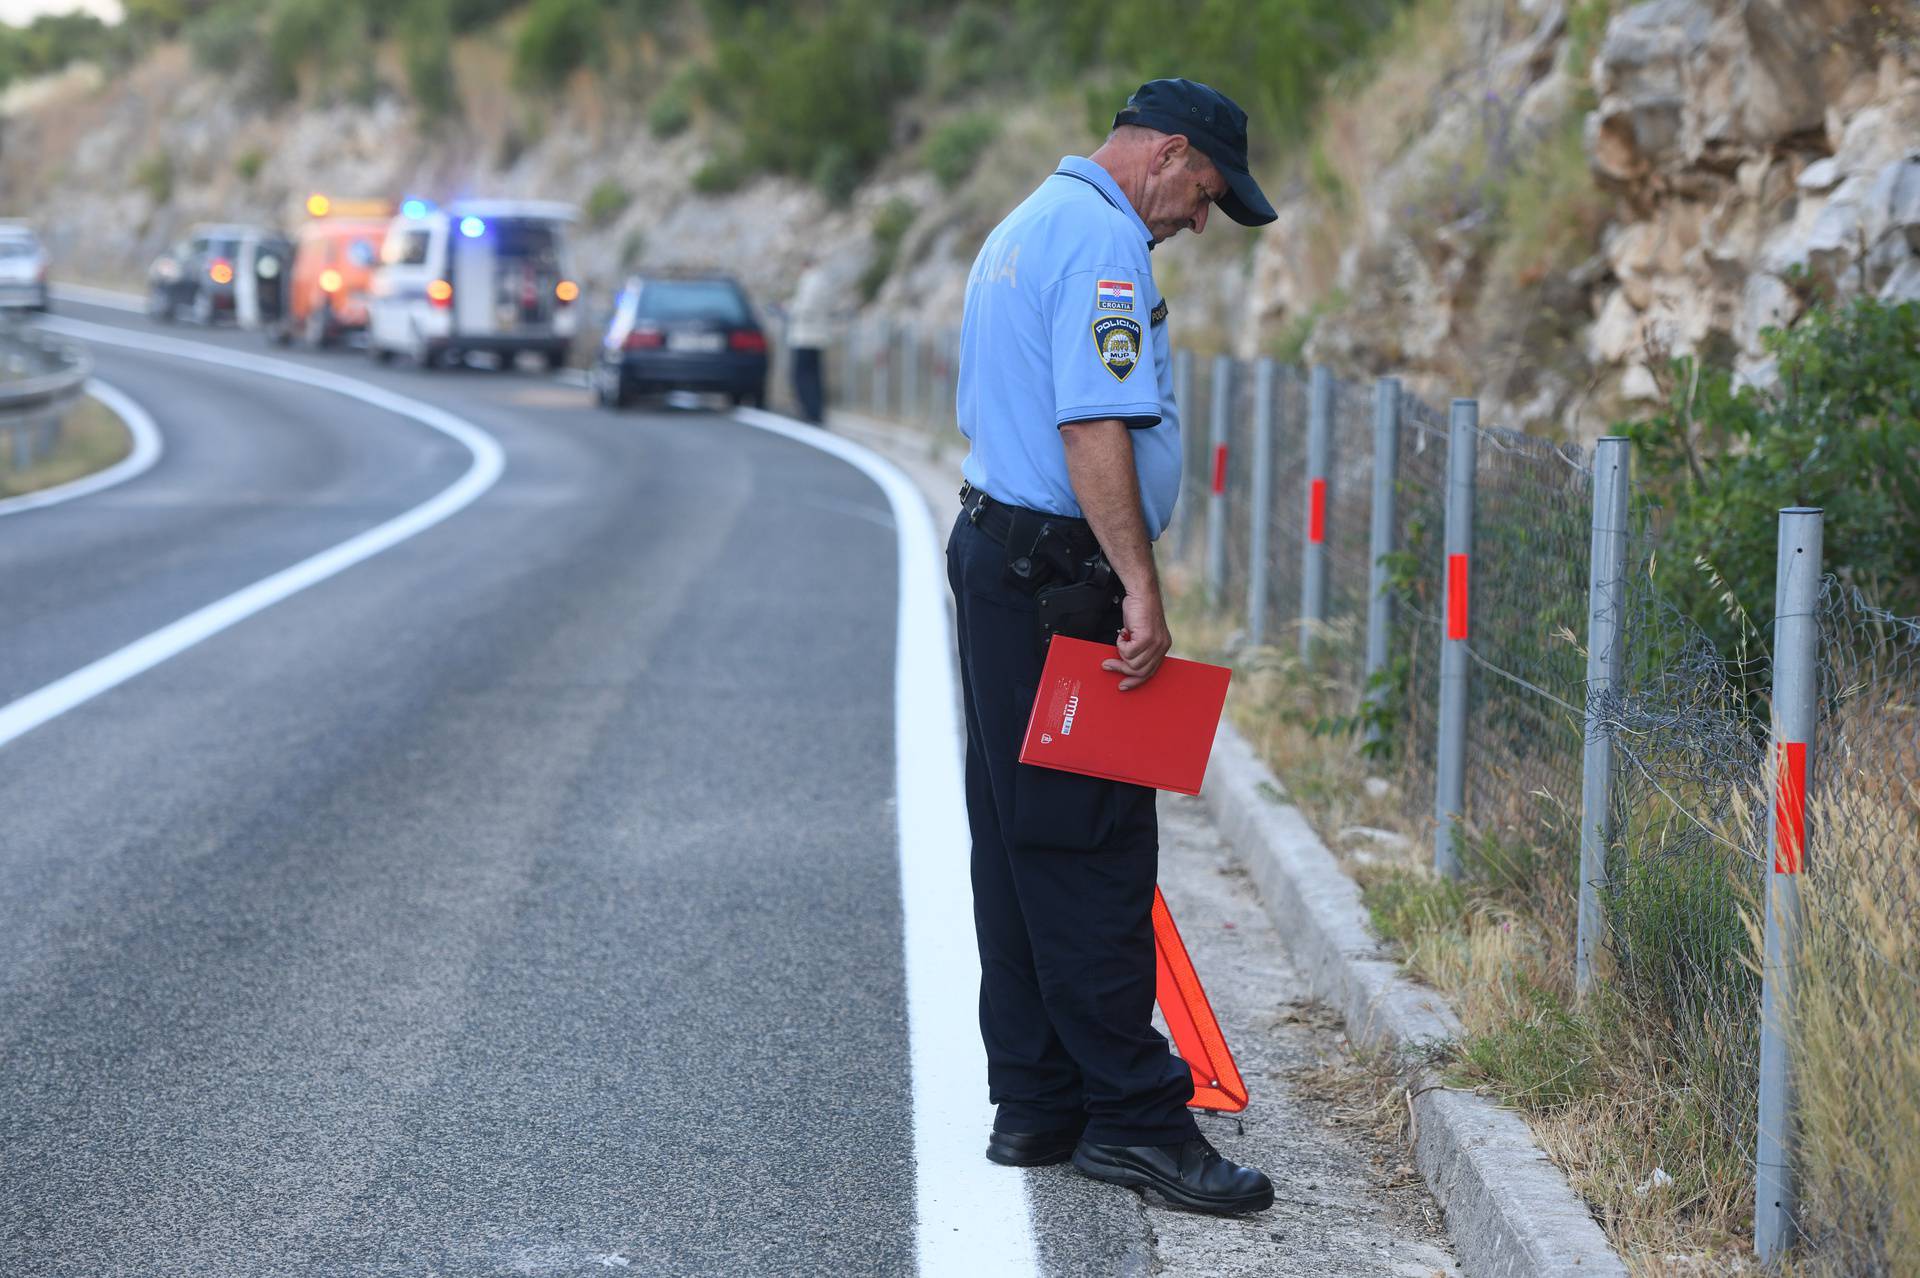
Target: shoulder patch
(1113,295)
(1159,313)
(1117,341)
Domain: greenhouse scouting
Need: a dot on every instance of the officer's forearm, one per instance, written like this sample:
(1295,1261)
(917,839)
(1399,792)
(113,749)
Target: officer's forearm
(1100,467)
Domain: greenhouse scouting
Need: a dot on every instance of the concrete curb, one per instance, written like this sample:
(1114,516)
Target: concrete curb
(1509,1211)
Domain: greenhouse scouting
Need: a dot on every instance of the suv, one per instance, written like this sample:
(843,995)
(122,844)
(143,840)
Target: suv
(23,267)
(209,276)
(682,332)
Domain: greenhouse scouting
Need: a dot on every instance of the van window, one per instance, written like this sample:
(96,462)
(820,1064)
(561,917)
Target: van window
(692,299)
(406,246)
(525,240)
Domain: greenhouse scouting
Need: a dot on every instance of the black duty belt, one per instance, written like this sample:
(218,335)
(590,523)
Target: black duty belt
(998,520)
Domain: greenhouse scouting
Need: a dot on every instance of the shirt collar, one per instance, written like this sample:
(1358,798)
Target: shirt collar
(1087,171)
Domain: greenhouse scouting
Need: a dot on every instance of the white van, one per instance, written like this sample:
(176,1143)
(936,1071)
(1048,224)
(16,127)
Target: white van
(477,275)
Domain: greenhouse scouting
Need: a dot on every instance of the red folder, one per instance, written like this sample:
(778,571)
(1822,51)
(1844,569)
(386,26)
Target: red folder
(1158,734)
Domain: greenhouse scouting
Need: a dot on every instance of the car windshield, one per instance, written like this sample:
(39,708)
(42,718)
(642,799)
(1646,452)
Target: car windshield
(223,248)
(692,299)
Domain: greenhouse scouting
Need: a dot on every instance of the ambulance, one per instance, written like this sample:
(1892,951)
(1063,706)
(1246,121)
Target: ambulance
(477,275)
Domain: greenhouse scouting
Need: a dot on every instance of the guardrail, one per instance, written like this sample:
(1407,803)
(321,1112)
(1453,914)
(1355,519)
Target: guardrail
(40,378)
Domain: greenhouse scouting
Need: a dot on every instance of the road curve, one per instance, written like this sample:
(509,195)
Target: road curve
(521,900)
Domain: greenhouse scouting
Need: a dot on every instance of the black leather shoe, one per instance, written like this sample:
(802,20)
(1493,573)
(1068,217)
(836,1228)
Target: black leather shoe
(1190,1175)
(1032,1149)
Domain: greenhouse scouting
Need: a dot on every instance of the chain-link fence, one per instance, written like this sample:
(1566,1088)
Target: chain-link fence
(1680,812)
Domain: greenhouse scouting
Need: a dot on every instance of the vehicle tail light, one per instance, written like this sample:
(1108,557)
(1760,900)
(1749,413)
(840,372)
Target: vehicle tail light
(748,339)
(566,291)
(440,293)
(221,271)
(644,339)
(329,281)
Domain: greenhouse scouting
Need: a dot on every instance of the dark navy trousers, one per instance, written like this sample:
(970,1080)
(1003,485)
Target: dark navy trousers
(1063,875)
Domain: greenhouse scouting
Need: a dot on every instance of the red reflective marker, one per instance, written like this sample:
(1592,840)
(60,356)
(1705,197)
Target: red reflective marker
(1317,512)
(1456,596)
(1219,468)
(1790,808)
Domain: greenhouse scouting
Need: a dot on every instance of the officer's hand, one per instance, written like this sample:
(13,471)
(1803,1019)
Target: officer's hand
(1144,640)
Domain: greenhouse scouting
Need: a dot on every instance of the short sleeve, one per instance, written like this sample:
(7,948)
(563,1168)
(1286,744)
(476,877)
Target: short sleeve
(1100,348)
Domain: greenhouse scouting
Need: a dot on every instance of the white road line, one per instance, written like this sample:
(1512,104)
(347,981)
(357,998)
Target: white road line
(110,671)
(92,296)
(970,1215)
(147,448)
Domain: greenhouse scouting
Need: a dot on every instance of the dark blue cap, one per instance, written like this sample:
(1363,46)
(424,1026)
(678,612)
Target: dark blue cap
(1216,127)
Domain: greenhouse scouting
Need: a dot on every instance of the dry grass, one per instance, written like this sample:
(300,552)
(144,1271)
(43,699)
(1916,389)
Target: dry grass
(1600,1085)
(1858,1085)
(92,439)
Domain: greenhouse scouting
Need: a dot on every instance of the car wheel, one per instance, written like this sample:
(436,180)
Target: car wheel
(379,354)
(203,308)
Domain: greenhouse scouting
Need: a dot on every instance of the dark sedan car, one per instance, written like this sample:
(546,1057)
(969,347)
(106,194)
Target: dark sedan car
(682,332)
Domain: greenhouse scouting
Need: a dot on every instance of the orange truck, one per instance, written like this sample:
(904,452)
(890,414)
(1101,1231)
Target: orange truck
(335,253)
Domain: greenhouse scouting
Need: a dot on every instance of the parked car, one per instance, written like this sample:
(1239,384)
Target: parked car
(23,267)
(692,332)
(213,275)
(479,275)
(334,259)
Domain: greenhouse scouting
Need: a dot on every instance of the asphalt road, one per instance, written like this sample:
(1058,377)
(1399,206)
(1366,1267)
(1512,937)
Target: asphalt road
(525,899)
(522,900)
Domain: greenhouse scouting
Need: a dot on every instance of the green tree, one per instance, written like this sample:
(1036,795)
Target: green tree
(559,37)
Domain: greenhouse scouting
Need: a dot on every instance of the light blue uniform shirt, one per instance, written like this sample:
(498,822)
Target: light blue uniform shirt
(1063,324)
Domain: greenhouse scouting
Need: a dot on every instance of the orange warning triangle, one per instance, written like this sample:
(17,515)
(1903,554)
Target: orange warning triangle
(1196,1034)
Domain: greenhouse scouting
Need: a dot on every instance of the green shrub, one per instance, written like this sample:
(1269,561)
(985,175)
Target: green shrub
(471,15)
(155,177)
(53,40)
(1841,430)
(606,201)
(723,172)
(671,110)
(955,147)
(558,38)
(297,31)
(1541,1059)
(890,226)
(247,164)
(426,46)
(226,36)
(796,91)
(633,248)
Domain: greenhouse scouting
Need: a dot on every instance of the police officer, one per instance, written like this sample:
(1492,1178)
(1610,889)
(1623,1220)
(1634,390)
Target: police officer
(1066,396)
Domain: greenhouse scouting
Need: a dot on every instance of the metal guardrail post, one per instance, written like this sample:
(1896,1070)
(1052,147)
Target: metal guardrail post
(1313,544)
(44,376)
(1386,469)
(1183,401)
(1217,495)
(1606,662)
(1261,514)
(1450,752)
(1796,684)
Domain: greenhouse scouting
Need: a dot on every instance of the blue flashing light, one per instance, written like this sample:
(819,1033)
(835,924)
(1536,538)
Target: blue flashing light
(472,227)
(413,208)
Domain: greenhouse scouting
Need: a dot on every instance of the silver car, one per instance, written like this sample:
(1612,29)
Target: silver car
(23,267)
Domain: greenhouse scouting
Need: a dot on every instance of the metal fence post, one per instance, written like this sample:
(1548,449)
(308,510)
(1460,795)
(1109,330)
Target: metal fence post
(1606,661)
(1386,466)
(1313,552)
(1183,401)
(1261,513)
(1796,683)
(1217,494)
(1450,753)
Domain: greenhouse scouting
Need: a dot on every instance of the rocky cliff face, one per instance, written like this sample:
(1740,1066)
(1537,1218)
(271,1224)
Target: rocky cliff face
(1740,157)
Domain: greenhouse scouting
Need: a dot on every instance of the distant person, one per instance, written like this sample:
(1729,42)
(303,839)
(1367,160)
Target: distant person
(809,328)
(1066,396)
